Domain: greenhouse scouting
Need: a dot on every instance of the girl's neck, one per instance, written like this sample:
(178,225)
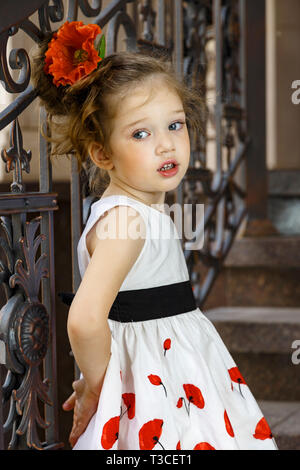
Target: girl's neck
(147,199)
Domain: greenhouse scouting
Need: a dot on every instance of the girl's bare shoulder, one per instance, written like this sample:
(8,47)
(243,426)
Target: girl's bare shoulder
(118,222)
(111,261)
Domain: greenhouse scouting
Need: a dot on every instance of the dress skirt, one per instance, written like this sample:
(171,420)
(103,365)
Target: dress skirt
(171,384)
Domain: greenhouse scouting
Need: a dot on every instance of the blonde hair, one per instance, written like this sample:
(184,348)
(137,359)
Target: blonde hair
(82,114)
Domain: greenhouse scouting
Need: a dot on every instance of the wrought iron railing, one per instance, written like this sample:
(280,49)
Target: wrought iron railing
(185,30)
(220,189)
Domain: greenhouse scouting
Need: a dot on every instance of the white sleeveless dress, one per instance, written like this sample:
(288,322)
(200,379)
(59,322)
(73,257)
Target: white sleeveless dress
(171,383)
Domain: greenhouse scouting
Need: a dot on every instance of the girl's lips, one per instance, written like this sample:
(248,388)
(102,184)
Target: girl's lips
(172,160)
(168,173)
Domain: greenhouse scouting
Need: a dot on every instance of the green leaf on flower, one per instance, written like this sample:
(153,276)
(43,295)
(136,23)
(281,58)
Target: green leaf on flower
(101,47)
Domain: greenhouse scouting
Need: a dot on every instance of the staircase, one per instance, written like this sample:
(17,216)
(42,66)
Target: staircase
(255,307)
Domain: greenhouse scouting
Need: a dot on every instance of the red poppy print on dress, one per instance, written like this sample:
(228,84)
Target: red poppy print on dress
(203,446)
(110,432)
(237,377)
(262,430)
(193,395)
(167,345)
(129,400)
(156,380)
(150,433)
(179,403)
(228,426)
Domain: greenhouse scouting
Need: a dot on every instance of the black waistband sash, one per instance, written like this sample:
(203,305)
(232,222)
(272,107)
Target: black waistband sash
(149,304)
(152,303)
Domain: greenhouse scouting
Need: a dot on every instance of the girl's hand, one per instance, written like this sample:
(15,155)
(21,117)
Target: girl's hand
(85,403)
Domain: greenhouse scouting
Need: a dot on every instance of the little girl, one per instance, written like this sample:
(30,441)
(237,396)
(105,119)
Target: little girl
(155,374)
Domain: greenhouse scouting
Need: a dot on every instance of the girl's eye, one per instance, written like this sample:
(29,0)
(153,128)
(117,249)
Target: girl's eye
(178,122)
(138,134)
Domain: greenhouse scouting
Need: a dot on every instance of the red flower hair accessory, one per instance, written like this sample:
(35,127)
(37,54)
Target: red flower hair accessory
(71,53)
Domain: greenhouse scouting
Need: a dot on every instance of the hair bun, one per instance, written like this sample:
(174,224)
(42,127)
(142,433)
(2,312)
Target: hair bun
(52,97)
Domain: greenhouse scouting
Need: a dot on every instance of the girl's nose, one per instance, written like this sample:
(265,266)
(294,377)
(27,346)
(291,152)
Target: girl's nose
(164,143)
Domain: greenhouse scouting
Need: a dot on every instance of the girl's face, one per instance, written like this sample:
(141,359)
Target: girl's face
(144,136)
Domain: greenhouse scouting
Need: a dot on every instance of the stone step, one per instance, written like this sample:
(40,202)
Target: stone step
(258,271)
(269,252)
(284,421)
(257,329)
(265,344)
(256,286)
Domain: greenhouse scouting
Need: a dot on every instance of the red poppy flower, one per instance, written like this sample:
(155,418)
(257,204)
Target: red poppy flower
(110,432)
(156,380)
(167,345)
(229,428)
(262,430)
(179,403)
(150,433)
(236,376)
(203,446)
(194,395)
(71,53)
(129,400)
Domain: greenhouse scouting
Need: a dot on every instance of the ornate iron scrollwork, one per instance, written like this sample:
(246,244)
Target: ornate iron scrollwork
(16,158)
(88,10)
(18,60)
(24,329)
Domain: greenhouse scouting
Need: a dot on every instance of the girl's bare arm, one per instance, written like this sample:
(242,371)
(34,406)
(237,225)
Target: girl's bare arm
(88,328)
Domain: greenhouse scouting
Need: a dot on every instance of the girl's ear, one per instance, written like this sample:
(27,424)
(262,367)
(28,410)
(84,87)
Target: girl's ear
(99,157)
